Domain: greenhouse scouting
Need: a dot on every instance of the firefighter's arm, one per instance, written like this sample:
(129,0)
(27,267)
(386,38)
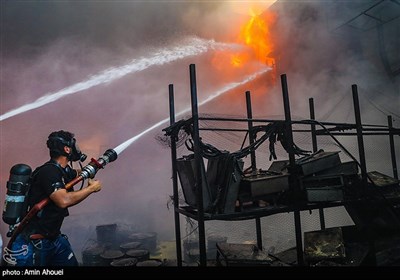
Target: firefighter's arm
(64,199)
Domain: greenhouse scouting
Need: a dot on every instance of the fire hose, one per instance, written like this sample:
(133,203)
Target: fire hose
(88,171)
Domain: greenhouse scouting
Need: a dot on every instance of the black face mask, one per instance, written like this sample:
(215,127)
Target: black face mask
(76,154)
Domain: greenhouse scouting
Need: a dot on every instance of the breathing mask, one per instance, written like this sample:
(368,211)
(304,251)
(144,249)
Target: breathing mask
(57,143)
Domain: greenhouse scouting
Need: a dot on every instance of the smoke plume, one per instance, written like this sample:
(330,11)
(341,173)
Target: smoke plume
(48,46)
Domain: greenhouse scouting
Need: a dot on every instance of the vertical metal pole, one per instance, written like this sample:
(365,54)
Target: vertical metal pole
(360,140)
(392,149)
(175,178)
(293,180)
(198,158)
(312,116)
(364,179)
(253,162)
(251,135)
(315,148)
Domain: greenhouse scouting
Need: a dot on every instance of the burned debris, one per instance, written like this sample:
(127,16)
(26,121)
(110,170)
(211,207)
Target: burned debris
(221,185)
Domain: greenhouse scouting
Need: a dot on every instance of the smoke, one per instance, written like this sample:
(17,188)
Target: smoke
(108,25)
(51,53)
(323,56)
(49,46)
(323,52)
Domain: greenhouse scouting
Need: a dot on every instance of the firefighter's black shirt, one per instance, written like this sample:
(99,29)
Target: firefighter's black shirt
(49,178)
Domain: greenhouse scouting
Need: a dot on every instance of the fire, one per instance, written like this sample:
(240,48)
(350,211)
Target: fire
(256,35)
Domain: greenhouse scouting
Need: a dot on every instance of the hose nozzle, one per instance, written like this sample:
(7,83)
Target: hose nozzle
(109,156)
(90,170)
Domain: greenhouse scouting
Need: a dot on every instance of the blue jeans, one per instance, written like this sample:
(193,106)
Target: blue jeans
(42,252)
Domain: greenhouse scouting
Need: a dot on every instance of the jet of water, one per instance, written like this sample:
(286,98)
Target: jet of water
(119,149)
(190,47)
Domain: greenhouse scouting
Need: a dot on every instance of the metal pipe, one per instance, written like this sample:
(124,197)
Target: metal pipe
(224,129)
(315,148)
(293,182)
(361,151)
(317,131)
(350,125)
(253,162)
(312,116)
(251,135)
(353,133)
(363,166)
(392,149)
(175,178)
(198,163)
(363,129)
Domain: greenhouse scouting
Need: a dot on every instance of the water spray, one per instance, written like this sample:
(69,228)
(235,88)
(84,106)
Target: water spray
(110,155)
(88,171)
(223,90)
(189,47)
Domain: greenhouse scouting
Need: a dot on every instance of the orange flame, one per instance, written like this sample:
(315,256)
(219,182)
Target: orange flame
(256,34)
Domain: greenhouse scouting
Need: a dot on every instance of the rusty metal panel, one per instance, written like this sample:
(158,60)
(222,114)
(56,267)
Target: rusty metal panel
(321,194)
(323,188)
(323,181)
(345,168)
(279,166)
(265,183)
(224,177)
(187,176)
(317,162)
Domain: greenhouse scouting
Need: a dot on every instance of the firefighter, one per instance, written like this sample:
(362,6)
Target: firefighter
(41,242)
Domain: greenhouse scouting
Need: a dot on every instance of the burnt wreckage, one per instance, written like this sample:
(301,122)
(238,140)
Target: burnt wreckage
(317,179)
